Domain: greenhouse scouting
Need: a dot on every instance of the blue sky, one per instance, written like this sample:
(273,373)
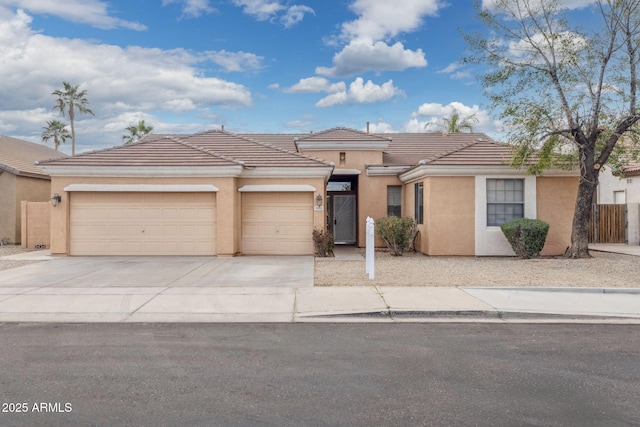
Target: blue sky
(251,65)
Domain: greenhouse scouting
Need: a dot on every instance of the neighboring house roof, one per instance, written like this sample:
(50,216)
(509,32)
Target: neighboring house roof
(213,148)
(19,157)
(632,168)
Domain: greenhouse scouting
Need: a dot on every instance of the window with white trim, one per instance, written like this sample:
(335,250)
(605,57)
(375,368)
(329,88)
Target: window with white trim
(505,200)
(394,200)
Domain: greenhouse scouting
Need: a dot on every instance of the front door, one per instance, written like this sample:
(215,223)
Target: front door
(344,218)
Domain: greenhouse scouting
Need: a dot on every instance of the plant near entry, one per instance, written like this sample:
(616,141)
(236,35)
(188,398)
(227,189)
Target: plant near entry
(324,243)
(397,233)
(526,236)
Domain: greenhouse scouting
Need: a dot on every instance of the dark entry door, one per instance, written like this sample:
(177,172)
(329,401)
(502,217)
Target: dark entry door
(344,218)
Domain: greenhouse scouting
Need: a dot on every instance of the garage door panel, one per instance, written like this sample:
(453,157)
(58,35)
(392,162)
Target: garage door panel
(143,224)
(277,223)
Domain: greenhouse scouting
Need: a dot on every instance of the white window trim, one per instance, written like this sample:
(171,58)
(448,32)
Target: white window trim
(489,239)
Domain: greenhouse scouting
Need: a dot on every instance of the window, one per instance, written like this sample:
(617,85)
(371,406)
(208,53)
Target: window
(505,200)
(619,197)
(394,200)
(419,203)
(339,186)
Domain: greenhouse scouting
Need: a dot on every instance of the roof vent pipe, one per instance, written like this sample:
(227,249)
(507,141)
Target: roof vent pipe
(367,127)
(222,128)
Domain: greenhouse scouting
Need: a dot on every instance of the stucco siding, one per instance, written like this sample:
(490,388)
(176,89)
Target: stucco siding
(31,190)
(372,201)
(8,214)
(556,198)
(450,215)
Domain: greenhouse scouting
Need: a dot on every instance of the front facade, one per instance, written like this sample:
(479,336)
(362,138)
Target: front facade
(218,193)
(21,180)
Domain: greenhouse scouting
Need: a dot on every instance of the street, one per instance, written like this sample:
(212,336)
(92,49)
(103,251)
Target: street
(319,374)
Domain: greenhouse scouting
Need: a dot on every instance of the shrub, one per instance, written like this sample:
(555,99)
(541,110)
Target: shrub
(323,242)
(526,236)
(396,232)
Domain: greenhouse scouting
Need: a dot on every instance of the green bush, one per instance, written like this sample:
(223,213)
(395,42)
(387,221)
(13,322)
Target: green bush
(324,243)
(526,236)
(396,232)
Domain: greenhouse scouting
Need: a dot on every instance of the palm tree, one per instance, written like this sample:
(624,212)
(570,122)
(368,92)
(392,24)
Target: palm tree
(57,131)
(69,100)
(455,123)
(136,132)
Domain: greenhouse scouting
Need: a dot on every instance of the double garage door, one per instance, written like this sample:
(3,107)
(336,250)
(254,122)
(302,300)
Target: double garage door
(137,223)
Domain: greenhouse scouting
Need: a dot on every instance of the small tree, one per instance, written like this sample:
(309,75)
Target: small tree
(455,123)
(397,233)
(57,131)
(136,132)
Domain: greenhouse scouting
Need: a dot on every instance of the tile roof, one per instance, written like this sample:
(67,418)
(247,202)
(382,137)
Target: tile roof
(342,135)
(476,153)
(405,149)
(19,157)
(212,148)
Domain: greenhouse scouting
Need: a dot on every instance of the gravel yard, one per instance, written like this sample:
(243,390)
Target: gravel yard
(12,250)
(603,270)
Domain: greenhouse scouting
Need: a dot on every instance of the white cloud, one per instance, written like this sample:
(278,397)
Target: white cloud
(359,57)
(381,19)
(316,85)
(236,61)
(565,45)
(380,127)
(260,9)
(295,14)
(192,8)
(118,80)
(429,114)
(90,12)
(264,10)
(360,93)
(368,38)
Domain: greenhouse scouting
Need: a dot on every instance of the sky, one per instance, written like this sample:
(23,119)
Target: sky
(273,66)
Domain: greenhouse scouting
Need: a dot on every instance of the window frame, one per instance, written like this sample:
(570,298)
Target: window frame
(394,209)
(504,193)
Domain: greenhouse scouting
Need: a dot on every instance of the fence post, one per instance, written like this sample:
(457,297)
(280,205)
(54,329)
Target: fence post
(370,248)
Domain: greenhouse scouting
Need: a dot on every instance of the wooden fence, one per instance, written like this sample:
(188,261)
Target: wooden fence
(608,224)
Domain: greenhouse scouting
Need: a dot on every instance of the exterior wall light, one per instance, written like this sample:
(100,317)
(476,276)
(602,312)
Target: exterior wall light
(55,200)
(318,200)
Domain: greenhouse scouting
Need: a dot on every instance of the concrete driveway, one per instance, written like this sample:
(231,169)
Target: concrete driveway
(102,272)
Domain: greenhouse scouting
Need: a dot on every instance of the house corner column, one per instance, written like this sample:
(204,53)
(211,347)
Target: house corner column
(228,217)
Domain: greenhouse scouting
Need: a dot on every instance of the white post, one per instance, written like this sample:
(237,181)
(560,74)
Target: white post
(370,248)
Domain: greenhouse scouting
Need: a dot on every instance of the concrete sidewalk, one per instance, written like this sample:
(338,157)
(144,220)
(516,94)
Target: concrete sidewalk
(319,304)
(268,289)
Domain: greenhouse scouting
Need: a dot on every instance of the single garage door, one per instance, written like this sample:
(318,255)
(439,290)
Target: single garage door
(277,223)
(110,223)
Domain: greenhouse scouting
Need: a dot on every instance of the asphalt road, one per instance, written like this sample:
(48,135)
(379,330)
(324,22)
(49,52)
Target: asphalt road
(319,374)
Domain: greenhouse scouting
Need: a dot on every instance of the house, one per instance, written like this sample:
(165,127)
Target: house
(21,179)
(623,190)
(218,193)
